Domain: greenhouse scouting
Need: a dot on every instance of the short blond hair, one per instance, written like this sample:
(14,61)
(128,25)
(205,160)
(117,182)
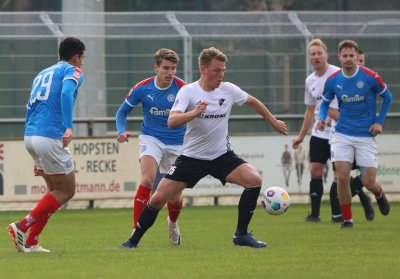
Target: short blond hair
(208,54)
(317,42)
(167,54)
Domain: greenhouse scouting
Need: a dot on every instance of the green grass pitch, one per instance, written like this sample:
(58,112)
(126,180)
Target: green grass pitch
(84,244)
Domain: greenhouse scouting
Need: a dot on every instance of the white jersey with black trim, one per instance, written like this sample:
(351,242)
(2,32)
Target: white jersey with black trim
(313,96)
(206,136)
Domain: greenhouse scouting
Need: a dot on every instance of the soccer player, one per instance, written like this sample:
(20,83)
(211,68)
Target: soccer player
(48,132)
(356,182)
(361,58)
(159,145)
(356,89)
(205,107)
(319,142)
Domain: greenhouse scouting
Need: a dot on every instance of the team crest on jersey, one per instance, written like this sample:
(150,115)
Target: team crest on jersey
(77,74)
(221,101)
(360,84)
(171,98)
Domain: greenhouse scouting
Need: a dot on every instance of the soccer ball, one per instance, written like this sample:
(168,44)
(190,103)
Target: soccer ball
(275,200)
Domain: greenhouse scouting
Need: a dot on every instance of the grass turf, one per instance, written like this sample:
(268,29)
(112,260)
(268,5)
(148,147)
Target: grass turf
(84,244)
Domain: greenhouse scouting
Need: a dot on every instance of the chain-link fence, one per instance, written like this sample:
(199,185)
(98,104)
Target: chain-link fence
(267,54)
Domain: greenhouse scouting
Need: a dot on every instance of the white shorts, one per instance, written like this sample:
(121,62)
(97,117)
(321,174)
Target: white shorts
(363,149)
(165,155)
(49,155)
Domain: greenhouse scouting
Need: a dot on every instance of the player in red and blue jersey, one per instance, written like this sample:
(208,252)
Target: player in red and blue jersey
(48,131)
(356,89)
(159,145)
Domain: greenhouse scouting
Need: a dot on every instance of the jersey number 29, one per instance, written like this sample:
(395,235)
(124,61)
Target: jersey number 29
(41,87)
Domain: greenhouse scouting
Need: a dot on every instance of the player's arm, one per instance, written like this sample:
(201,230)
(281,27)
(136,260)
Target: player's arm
(261,109)
(120,121)
(307,123)
(376,128)
(333,113)
(178,118)
(67,107)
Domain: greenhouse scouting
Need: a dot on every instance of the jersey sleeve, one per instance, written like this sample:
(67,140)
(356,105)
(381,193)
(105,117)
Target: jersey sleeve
(308,98)
(377,84)
(328,95)
(134,96)
(75,74)
(182,100)
(239,96)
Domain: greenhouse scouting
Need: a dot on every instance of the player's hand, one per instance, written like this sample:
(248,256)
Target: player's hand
(375,129)
(123,137)
(66,138)
(280,127)
(296,141)
(200,108)
(320,125)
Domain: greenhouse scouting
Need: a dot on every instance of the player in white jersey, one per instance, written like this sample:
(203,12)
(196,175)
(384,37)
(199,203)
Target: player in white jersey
(356,89)
(48,132)
(319,142)
(159,145)
(205,107)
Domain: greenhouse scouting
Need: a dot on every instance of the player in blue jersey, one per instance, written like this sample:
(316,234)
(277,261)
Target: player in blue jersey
(48,131)
(159,145)
(355,182)
(356,89)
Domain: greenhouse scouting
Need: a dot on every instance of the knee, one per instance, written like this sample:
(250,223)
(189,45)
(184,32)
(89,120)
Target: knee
(157,201)
(255,180)
(147,182)
(369,182)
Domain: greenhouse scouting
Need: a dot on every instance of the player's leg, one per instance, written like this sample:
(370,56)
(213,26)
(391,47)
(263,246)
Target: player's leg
(171,152)
(334,200)
(343,150)
(185,172)
(366,157)
(37,227)
(319,154)
(150,156)
(356,186)
(57,164)
(166,190)
(230,168)
(372,184)
(148,166)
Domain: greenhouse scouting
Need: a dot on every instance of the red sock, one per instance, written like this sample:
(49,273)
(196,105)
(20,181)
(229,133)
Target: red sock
(141,199)
(347,214)
(43,209)
(35,230)
(378,194)
(174,211)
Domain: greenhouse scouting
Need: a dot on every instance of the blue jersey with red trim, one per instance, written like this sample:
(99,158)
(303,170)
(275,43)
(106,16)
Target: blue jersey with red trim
(44,116)
(357,100)
(156,105)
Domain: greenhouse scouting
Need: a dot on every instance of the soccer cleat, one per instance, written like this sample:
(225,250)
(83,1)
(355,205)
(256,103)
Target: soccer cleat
(18,236)
(338,219)
(367,205)
(310,218)
(36,249)
(383,204)
(346,225)
(248,240)
(127,245)
(174,233)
